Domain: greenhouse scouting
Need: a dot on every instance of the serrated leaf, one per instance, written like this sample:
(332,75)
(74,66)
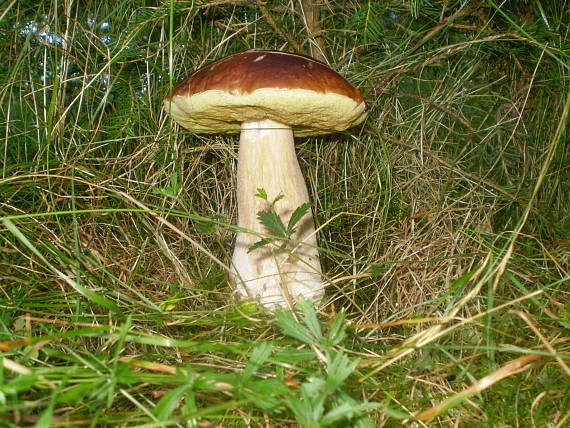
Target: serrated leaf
(289,325)
(302,411)
(359,419)
(296,217)
(273,222)
(343,411)
(339,369)
(261,193)
(313,390)
(259,244)
(313,393)
(337,330)
(258,357)
(310,318)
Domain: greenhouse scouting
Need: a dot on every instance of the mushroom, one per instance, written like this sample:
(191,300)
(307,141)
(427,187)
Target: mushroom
(269,96)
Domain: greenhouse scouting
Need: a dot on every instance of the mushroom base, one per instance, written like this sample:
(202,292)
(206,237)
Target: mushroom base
(274,276)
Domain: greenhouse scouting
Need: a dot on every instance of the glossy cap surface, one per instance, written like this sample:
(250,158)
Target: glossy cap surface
(254,85)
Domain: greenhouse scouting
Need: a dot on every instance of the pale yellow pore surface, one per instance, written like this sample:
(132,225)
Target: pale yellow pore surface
(307,112)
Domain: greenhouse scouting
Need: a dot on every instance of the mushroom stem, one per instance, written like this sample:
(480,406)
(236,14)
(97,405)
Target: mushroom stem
(273,276)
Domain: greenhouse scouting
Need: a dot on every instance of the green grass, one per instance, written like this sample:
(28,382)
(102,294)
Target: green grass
(444,221)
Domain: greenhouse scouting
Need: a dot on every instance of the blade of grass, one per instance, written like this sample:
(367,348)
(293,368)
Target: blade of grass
(90,295)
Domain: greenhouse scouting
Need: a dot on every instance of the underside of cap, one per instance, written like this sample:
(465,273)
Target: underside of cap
(254,85)
(307,112)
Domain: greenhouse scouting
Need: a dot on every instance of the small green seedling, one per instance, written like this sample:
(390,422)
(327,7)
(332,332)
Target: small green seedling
(273,222)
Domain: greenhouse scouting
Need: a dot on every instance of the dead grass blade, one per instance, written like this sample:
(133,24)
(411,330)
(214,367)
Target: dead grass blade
(544,340)
(514,367)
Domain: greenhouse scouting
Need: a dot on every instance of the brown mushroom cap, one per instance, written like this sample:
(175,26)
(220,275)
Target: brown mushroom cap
(254,85)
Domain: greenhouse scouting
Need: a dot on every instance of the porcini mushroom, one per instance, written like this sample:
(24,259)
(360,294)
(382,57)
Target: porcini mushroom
(269,96)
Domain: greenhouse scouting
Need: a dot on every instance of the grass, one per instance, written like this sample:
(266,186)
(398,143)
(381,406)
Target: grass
(444,221)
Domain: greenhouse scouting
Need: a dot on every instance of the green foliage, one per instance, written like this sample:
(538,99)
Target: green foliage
(172,190)
(368,22)
(271,220)
(321,400)
(318,397)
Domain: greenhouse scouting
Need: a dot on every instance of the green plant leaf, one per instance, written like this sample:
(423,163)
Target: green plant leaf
(339,413)
(357,415)
(172,190)
(267,394)
(273,222)
(204,227)
(261,193)
(313,393)
(291,327)
(277,199)
(259,244)
(44,421)
(169,402)
(377,271)
(302,411)
(77,392)
(337,330)
(258,357)
(310,318)
(296,217)
(21,383)
(339,369)
(189,407)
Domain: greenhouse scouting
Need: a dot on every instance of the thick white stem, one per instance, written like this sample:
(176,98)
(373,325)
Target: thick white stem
(273,276)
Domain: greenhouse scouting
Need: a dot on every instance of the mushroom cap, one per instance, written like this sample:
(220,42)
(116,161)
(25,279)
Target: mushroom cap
(254,85)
